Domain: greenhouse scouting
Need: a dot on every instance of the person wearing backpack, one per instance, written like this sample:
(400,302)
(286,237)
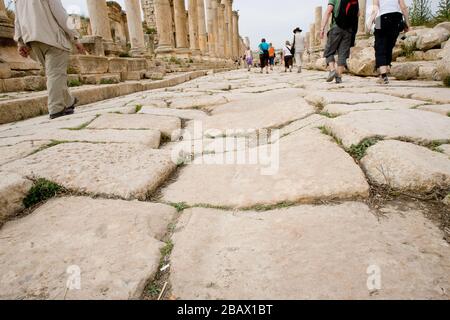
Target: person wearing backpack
(390,17)
(264,55)
(299,48)
(271,56)
(287,56)
(342,34)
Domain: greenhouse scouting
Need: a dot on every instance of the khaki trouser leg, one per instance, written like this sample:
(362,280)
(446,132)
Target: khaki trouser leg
(55,62)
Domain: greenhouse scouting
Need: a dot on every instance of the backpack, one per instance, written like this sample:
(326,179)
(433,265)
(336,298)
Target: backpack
(347,17)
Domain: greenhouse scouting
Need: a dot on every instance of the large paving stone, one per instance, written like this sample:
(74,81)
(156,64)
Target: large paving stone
(416,125)
(203,101)
(407,166)
(338,97)
(182,114)
(311,167)
(339,109)
(122,170)
(167,125)
(250,116)
(19,150)
(443,109)
(434,95)
(445,148)
(148,138)
(309,252)
(13,189)
(114,244)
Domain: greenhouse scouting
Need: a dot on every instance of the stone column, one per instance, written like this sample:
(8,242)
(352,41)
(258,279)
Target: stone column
(312,36)
(362,17)
(6,25)
(193,27)
(318,25)
(202,35)
(222,31)
(236,38)
(210,17)
(180,29)
(163,14)
(98,15)
(134,18)
(215,14)
(229,27)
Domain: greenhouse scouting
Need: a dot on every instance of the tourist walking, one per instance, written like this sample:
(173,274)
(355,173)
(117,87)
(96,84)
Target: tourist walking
(287,56)
(342,34)
(264,55)
(390,18)
(249,58)
(41,28)
(299,48)
(271,56)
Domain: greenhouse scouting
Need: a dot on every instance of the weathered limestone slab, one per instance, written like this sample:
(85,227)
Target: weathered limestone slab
(406,166)
(13,189)
(121,170)
(182,114)
(443,109)
(313,121)
(305,173)
(244,115)
(88,64)
(148,138)
(166,125)
(197,102)
(338,97)
(19,150)
(416,125)
(339,109)
(114,245)
(309,252)
(434,95)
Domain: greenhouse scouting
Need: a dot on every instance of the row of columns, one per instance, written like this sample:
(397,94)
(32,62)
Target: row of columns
(212,28)
(313,37)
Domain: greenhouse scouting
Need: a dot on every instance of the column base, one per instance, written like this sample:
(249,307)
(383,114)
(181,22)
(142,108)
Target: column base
(138,52)
(165,51)
(183,53)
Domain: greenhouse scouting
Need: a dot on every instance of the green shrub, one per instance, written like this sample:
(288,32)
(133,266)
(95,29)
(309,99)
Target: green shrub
(359,151)
(42,190)
(74,83)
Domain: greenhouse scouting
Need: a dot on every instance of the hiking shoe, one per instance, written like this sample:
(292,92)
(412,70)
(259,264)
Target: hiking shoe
(338,80)
(382,80)
(65,112)
(300,70)
(331,76)
(74,104)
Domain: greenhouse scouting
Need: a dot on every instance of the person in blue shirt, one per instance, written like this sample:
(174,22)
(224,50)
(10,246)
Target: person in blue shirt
(264,55)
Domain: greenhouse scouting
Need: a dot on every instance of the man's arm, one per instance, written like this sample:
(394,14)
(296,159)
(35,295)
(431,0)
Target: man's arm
(326,19)
(375,10)
(405,12)
(61,18)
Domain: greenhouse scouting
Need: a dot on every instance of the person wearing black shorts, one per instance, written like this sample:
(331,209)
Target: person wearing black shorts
(264,55)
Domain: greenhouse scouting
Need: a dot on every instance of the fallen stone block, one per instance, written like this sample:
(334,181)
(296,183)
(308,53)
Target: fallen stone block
(112,245)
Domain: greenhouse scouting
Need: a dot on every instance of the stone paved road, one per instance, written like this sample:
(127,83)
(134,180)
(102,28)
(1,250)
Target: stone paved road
(241,185)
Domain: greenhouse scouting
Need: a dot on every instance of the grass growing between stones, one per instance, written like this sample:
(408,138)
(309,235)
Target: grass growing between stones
(74,83)
(329,115)
(359,151)
(138,108)
(83,125)
(41,191)
(49,145)
(446,81)
(328,132)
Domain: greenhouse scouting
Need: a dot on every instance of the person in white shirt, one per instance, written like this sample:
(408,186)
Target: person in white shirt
(41,29)
(390,18)
(249,58)
(288,58)
(299,47)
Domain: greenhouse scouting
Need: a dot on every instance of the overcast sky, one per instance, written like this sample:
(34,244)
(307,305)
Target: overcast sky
(271,19)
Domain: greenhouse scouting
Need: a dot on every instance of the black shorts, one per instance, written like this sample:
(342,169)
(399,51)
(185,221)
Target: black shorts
(264,59)
(288,61)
